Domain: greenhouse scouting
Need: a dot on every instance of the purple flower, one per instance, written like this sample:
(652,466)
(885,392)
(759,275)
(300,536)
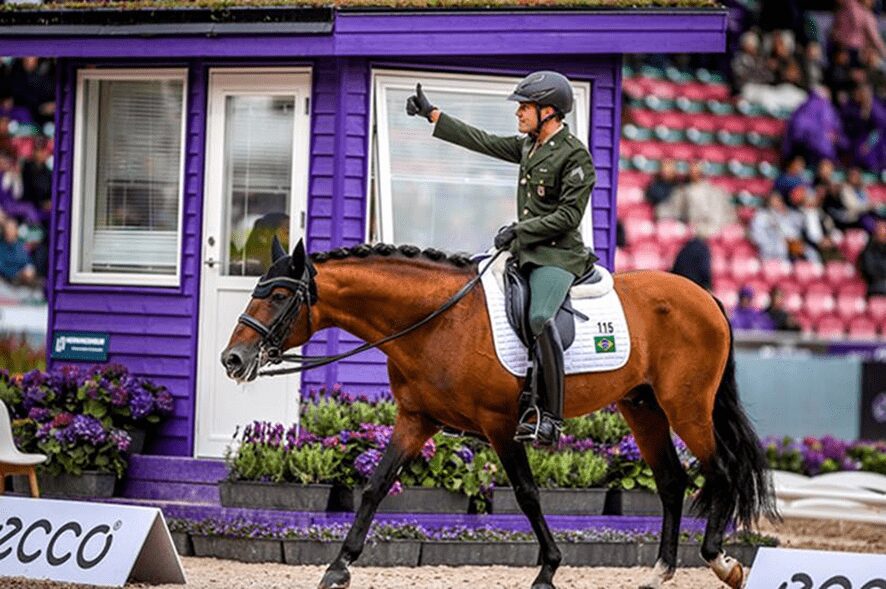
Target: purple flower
(39,414)
(366,463)
(141,403)
(164,402)
(627,449)
(429,449)
(121,439)
(396,488)
(89,429)
(466,455)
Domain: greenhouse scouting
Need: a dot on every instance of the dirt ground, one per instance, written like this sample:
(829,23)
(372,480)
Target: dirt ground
(209,573)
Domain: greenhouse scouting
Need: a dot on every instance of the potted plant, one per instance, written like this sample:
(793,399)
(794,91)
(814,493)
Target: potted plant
(484,545)
(237,539)
(387,545)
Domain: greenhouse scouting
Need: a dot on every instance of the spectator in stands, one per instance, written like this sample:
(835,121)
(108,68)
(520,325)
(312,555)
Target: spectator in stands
(855,205)
(15,263)
(864,119)
(694,261)
(699,203)
(818,227)
(10,179)
(749,65)
(663,183)
(872,261)
(37,177)
(777,230)
(792,176)
(813,65)
(876,72)
(814,132)
(838,77)
(32,86)
(778,315)
(747,316)
(855,27)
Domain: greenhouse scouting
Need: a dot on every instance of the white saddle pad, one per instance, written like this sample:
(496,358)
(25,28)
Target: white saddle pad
(602,343)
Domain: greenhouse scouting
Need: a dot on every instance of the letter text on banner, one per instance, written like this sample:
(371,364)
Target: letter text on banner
(80,542)
(781,568)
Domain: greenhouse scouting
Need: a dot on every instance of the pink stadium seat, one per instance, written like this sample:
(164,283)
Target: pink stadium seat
(774,271)
(648,257)
(746,154)
(705,122)
(807,272)
(643,118)
(630,195)
(761,291)
(661,88)
(732,234)
(633,87)
(637,230)
(838,273)
(855,287)
(862,328)
(672,231)
(653,150)
(683,151)
(743,268)
(807,325)
(714,153)
(830,327)
(853,242)
(641,210)
(877,193)
(727,294)
(623,260)
(633,178)
(793,301)
(816,304)
(733,123)
(719,264)
(877,308)
(672,119)
(767,126)
(756,186)
(849,306)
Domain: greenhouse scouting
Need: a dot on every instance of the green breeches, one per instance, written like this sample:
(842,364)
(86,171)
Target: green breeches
(548,287)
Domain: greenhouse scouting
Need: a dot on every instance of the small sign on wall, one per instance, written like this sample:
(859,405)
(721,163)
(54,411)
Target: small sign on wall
(81,542)
(780,568)
(86,346)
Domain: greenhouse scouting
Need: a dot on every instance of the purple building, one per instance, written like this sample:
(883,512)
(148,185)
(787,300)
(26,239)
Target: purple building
(185,139)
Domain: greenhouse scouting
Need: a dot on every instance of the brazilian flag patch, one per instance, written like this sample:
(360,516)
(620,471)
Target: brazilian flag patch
(604,344)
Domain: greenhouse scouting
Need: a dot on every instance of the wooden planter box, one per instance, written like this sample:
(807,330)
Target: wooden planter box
(240,549)
(88,484)
(398,553)
(182,543)
(602,554)
(640,502)
(554,501)
(282,496)
(689,554)
(479,553)
(423,500)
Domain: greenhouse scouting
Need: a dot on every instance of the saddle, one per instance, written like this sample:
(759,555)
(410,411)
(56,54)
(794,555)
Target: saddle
(516,292)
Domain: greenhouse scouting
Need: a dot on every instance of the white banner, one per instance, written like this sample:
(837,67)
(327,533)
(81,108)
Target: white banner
(780,568)
(80,542)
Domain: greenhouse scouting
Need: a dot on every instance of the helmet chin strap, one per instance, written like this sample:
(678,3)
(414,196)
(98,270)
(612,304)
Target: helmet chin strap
(541,121)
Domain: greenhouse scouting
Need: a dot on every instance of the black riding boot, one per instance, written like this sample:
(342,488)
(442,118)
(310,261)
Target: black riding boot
(549,352)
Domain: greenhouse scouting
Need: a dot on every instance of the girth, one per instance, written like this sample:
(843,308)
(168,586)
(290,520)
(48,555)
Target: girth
(516,293)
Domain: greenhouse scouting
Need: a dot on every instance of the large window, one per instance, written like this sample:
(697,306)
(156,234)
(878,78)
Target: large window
(430,193)
(129,137)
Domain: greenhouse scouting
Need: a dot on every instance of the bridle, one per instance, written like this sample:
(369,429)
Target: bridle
(304,294)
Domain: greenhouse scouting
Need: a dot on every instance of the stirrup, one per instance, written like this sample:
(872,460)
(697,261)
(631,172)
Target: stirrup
(532,436)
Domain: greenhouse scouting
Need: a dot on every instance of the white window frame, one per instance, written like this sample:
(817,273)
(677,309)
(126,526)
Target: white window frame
(380,160)
(85,163)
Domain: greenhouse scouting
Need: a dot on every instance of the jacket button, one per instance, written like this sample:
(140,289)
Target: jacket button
(525,211)
(523,181)
(553,243)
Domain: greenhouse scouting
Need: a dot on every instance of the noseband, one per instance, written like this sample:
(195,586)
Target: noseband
(274,335)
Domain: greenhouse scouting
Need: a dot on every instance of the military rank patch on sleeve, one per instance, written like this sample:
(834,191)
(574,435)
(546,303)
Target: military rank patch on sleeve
(577,171)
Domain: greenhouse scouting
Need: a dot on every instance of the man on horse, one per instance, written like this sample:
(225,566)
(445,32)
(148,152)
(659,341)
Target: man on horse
(555,182)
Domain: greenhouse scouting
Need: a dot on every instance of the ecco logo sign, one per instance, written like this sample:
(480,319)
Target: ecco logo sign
(780,568)
(39,540)
(81,542)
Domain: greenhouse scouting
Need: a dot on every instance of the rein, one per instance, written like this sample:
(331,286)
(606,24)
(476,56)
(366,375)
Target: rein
(301,295)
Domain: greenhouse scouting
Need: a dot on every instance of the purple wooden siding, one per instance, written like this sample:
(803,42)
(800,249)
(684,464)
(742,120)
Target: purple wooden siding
(153,330)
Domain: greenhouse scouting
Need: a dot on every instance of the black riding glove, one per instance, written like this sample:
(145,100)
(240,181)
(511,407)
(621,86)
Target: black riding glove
(505,236)
(418,104)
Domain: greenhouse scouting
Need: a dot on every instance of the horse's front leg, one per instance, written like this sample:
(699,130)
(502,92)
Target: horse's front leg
(411,431)
(513,457)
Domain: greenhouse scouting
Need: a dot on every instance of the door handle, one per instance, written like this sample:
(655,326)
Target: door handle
(210,262)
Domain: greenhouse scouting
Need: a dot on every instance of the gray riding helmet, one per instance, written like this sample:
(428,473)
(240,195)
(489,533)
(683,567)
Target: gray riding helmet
(545,88)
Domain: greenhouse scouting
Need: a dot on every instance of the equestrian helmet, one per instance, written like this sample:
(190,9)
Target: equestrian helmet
(545,88)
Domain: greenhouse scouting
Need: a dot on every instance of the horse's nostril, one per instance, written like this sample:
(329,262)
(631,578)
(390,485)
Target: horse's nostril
(232,360)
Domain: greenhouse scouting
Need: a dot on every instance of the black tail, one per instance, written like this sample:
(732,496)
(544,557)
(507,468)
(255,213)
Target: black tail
(739,476)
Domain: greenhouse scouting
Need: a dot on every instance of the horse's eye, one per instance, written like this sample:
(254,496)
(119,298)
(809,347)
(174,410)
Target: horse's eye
(278,297)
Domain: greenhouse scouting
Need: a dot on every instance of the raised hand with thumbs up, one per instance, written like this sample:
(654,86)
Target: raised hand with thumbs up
(418,104)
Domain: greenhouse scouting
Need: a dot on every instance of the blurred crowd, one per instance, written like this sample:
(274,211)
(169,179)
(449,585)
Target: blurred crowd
(27,110)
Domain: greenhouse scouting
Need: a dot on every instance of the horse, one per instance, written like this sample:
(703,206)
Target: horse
(680,376)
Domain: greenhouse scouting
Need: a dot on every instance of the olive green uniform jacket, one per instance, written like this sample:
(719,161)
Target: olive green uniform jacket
(553,190)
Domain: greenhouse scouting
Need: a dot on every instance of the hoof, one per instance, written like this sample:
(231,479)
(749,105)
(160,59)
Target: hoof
(729,571)
(660,573)
(336,579)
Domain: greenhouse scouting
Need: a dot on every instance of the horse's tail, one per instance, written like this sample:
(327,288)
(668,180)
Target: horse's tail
(739,474)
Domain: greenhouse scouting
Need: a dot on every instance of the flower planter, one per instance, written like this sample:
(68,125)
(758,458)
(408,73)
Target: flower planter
(604,554)
(382,554)
(479,553)
(424,500)
(640,502)
(241,549)
(137,437)
(88,484)
(283,496)
(689,554)
(182,543)
(554,501)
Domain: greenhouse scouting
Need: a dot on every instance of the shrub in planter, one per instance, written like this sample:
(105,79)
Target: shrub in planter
(606,426)
(327,412)
(386,545)
(813,456)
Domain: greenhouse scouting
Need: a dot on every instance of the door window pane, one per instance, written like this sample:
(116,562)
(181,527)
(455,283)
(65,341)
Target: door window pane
(131,176)
(440,194)
(258,179)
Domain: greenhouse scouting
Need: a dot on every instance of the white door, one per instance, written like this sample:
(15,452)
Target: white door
(257,142)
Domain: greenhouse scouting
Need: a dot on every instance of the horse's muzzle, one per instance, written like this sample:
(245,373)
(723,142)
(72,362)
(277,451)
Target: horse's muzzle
(239,365)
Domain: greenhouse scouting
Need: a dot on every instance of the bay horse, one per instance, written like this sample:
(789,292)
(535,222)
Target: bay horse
(680,376)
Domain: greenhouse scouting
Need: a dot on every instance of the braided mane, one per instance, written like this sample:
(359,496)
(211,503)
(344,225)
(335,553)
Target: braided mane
(459,260)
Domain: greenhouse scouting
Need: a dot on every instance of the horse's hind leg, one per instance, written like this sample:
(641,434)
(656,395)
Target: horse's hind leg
(653,434)
(513,458)
(409,435)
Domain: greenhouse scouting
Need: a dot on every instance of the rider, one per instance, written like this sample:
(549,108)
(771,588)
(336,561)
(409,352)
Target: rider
(555,183)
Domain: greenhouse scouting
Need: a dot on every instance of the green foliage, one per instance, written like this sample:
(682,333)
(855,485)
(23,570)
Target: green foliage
(17,356)
(604,427)
(566,469)
(328,416)
(306,464)
(870,457)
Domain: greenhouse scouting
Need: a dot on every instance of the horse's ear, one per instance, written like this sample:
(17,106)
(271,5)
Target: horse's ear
(297,262)
(277,250)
